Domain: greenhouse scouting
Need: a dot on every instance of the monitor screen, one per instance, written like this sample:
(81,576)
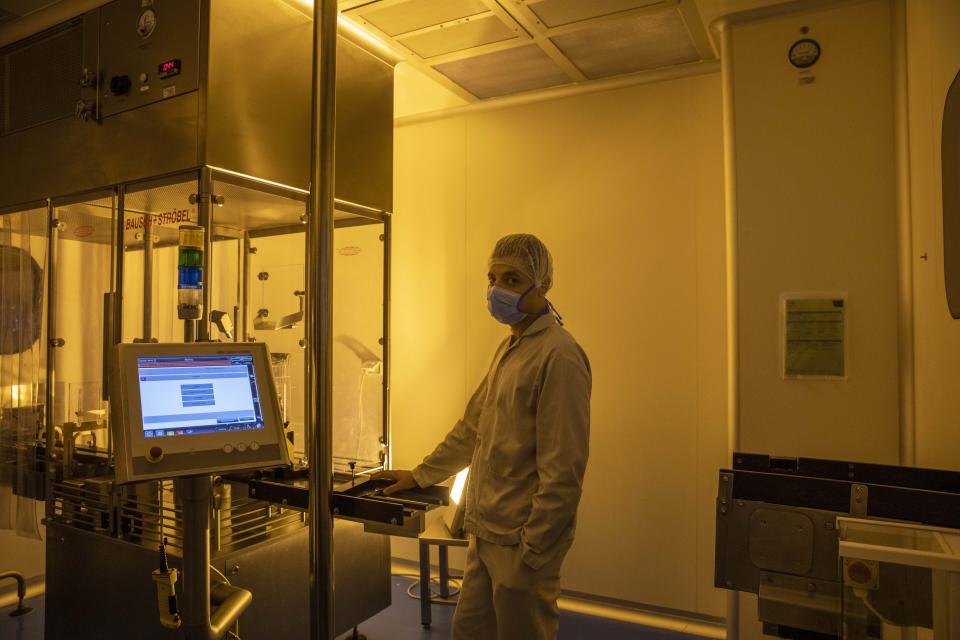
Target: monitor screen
(183,395)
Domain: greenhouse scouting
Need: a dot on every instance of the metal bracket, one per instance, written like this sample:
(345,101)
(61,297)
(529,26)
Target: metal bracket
(859,494)
(725,493)
(207,197)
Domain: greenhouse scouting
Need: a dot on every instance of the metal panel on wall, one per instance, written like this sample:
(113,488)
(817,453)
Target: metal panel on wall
(951,196)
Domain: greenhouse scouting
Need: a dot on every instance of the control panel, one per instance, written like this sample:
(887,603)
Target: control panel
(194,409)
(149,51)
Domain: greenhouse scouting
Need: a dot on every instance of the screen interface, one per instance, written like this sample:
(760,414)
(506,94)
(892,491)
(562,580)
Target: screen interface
(183,395)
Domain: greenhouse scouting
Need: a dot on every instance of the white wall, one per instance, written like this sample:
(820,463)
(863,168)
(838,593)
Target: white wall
(815,207)
(625,187)
(933,59)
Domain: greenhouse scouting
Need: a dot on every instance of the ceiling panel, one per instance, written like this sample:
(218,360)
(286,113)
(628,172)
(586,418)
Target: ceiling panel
(476,32)
(555,13)
(649,41)
(403,17)
(505,72)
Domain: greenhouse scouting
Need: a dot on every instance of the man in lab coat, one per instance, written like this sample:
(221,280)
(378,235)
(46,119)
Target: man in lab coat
(525,436)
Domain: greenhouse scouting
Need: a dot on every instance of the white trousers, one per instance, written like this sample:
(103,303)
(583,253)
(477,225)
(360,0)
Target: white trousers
(504,599)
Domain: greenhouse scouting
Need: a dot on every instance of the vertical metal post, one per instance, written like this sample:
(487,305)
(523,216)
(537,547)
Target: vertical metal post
(50,436)
(242,329)
(205,220)
(905,317)
(732,279)
(147,276)
(51,334)
(319,318)
(195,605)
(118,271)
(385,358)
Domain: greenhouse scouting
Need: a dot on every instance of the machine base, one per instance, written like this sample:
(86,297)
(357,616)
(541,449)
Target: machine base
(100,587)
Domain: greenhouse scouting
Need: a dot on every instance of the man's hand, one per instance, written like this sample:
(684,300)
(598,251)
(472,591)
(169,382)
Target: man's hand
(402,480)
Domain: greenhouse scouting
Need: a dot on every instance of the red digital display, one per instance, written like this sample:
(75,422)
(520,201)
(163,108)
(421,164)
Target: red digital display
(169,68)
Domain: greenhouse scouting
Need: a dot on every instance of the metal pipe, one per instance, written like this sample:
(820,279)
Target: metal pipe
(385,357)
(732,235)
(51,329)
(242,330)
(358,209)
(319,325)
(118,272)
(205,220)
(198,624)
(905,319)
(147,276)
(21,591)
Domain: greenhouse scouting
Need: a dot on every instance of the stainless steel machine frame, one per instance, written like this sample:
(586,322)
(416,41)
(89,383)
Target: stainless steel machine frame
(108,152)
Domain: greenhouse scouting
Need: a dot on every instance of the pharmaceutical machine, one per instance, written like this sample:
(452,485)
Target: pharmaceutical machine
(841,549)
(155,169)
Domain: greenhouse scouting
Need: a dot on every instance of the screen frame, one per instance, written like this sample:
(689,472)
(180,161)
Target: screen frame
(197,453)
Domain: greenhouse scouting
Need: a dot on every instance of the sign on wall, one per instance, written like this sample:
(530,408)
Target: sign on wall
(813,330)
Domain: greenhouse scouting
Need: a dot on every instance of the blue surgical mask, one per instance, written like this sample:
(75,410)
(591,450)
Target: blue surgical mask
(504,305)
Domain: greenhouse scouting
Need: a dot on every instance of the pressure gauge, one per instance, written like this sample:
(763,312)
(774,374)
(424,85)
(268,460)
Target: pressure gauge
(804,53)
(146,23)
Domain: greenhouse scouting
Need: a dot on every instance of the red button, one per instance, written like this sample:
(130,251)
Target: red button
(859,573)
(155,454)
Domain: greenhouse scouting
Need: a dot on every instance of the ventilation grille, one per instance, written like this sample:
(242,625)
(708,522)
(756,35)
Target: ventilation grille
(505,72)
(612,48)
(41,79)
(405,17)
(465,35)
(556,13)
(490,48)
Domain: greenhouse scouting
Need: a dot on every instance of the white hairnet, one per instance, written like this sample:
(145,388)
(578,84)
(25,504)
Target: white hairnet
(526,253)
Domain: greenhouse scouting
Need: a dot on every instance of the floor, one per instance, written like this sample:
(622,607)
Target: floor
(399,622)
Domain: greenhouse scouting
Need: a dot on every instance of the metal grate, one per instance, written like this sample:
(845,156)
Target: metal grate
(403,17)
(649,41)
(504,72)
(465,35)
(42,78)
(149,512)
(555,13)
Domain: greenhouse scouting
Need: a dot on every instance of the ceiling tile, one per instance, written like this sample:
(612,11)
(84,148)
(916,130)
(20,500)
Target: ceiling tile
(648,41)
(476,32)
(554,13)
(404,17)
(505,72)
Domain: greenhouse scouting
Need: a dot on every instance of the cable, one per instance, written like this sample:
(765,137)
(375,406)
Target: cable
(435,597)
(865,599)
(219,573)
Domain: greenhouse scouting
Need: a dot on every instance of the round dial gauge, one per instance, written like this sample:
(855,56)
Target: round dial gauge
(804,53)
(147,23)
